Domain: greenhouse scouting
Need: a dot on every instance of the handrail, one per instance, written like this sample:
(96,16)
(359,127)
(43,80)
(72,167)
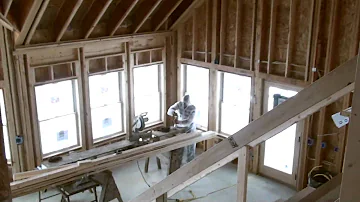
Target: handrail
(326,90)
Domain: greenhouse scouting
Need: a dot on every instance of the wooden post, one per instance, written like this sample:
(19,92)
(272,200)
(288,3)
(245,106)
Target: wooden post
(242,172)
(351,177)
(129,90)
(5,191)
(272,33)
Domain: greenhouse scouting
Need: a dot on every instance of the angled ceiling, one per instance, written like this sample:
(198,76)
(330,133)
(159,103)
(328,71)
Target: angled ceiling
(46,21)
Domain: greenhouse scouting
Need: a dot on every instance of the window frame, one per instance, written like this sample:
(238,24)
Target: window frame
(78,109)
(120,73)
(184,87)
(221,84)
(161,92)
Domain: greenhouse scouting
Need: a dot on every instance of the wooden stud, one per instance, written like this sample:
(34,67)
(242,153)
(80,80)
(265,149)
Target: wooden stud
(180,40)
(208,31)
(333,86)
(194,34)
(213,106)
(257,112)
(129,89)
(259,35)
(36,21)
(34,118)
(6,63)
(6,23)
(170,67)
(186,14)
(215,31)
(351,177)
(328,67)
(238,30)
(5,193)
(145,10)
(121,12)
(33,8)
(94,15)
(160,16)
(224,5)
(346,100)
(253,36)
(290,36)
(63,20)
(242,174)
(272,33)
(85,99)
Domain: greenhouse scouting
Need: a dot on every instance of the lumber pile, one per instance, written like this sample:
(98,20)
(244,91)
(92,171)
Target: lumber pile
(89,167)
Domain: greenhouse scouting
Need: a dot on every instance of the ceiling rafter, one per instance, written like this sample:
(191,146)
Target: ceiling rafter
(164,12)
(36,22)
(145,11)
(6,4)
(187,13)
(94,15)
(26,14)
(121,12)
(63,20)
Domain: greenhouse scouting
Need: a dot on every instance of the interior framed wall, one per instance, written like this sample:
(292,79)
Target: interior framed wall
(77,61)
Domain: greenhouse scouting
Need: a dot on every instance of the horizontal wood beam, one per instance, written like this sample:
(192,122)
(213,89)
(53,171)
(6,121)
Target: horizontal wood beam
(268,77)
(164,12)
(82,42)
(334,85)
(63,20)
(94,15)
(144,12)
(36,21)
(89,167)
(188,13)
(318,193)
(121,12)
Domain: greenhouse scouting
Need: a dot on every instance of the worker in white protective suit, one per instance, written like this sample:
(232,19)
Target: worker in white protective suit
(184,113)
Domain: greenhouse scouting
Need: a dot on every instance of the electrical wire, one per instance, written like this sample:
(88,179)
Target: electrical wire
(142,175)
(200,197)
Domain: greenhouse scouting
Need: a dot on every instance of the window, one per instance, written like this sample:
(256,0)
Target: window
(4,126)
(57,109)
(235,96)
(106,105)
(197,86)
(148,87)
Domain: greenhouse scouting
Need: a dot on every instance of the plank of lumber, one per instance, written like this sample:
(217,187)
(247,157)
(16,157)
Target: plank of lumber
(318,193)
(121,12)
(301,194)
(80,43)
(91,153)
(331,196)
(187,13)
(204,173)
(242,172)
(351,179)
(94,15)
(145,10)
(27,20)
(164,12)
(4,22)
(28,174)
(6,4)
(290,36)
(36,21)
(223,22)
(238,30)
(63,20)
(333,86)
(70,173)
(273,16)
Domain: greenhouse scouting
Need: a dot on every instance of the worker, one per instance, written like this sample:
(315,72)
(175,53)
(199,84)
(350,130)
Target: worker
(184,113)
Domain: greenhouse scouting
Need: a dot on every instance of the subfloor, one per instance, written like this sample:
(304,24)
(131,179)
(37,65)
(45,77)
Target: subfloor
(218,186)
